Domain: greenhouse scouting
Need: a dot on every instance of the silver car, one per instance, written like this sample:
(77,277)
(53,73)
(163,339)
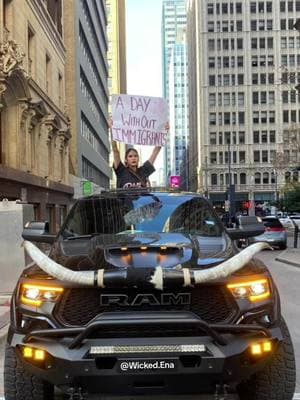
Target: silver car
(275,234)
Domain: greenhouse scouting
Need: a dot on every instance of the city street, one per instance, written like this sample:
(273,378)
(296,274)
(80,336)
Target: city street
(287,279)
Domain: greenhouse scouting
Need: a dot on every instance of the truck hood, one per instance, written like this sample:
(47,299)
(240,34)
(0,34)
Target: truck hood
(141,250)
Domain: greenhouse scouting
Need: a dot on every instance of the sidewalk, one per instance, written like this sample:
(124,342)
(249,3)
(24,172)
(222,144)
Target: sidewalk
(290,256)
(4,313)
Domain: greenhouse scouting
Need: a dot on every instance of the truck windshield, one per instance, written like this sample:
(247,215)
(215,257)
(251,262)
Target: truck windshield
(146,213)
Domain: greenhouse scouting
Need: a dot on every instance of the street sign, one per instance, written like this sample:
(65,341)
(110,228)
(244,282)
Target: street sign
(87,188)
(175,181)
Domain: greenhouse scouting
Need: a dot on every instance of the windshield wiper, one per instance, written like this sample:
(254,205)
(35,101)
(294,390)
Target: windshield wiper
(82,236)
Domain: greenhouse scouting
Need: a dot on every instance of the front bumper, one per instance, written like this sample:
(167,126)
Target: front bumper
(151,372)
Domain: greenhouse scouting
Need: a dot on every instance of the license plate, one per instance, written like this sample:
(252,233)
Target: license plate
(147,365)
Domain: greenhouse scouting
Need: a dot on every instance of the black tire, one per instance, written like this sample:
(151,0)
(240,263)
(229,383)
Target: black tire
(278,379)
(283,246)
(19,384)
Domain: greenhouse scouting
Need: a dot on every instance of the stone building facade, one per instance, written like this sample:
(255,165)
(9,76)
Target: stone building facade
(35,134)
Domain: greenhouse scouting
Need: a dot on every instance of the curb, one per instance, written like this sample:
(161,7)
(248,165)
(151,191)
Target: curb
(3,332)
(285,261)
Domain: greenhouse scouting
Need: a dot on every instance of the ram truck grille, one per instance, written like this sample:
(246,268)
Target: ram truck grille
(213,304)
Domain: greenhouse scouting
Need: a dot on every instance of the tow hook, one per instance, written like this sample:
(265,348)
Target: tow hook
(76,394)
(221,392)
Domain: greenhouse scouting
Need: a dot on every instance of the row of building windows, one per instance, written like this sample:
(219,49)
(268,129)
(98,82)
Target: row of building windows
(290,42)
(225,44)
(290,60)
(290,77)
(91,173)
(90,97)
(262,60)
(263,97)
(227,138)
(90,26)
(287,24)
(290,116)
(226,62)
(239,157)
(226,99)
(261,25)
(262,43)
(222,157)
(263,117)
(227,118)
(263,79)
(259,117)
(264,137)
(226,80)
(224,8)
(90,62)
(290,6)
(290,96)
(225,26)
(91,136)
(261,7)
(258,178)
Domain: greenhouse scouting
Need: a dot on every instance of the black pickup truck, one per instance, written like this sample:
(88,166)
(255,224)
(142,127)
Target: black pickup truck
(145,293)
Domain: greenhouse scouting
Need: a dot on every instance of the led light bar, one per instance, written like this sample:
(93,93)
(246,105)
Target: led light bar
(173,348)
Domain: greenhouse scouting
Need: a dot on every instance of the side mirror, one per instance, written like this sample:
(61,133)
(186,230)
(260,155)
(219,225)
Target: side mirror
(38,232)
(249,226)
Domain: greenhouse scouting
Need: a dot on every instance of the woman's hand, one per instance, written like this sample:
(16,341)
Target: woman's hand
(110,123)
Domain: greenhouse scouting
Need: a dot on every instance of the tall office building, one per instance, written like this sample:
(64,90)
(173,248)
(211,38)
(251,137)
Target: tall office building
(244,62)
(87,92)
(178,101)
(116,56)
(173,24)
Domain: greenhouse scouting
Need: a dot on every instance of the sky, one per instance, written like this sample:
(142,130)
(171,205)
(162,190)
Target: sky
(144,62)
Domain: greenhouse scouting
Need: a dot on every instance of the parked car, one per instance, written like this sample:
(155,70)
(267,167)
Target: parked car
(275,233)
(286,222)
(296,219)
(145,293)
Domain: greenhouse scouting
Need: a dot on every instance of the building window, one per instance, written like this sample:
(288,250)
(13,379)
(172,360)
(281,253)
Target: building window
(256,137)
(257,178)
(264,156)
(213,138)
(210,9)
(265,178)
(213,157)
(48,74)
(256,156)
(214,179)
(243,178)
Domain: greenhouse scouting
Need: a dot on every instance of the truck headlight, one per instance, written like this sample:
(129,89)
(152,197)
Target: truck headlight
(35,295)
(256,290)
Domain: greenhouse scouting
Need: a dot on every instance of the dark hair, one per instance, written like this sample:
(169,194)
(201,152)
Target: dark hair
(129,150)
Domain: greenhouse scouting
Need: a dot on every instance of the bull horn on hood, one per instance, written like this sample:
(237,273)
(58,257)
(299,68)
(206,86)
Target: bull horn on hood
(58,271)
(188,277)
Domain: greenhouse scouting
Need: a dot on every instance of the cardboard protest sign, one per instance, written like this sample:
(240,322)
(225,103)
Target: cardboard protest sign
(139,120)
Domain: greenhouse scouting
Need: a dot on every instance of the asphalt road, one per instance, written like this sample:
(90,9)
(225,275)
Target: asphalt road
(287,279)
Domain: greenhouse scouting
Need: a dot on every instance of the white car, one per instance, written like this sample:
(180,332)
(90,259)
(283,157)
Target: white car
(296,219)
(287,222)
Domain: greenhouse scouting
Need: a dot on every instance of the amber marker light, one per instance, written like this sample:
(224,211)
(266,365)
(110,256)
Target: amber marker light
(39,355)
(163,248)
(143,248)
(27,352)
(256,349)
(256,290)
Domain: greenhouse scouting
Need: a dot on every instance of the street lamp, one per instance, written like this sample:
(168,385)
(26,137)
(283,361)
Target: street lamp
(231,187)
